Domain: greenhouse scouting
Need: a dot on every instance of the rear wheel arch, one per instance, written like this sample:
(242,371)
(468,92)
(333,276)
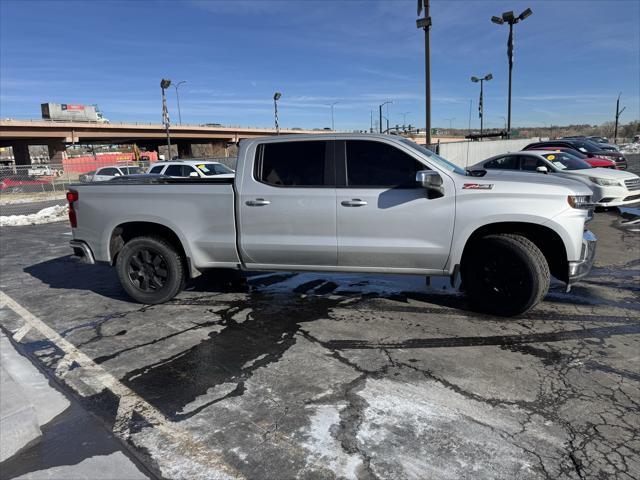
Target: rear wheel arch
(545,238)
(130,230)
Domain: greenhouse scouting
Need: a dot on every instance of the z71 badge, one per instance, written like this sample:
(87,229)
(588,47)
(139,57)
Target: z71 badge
(477,186)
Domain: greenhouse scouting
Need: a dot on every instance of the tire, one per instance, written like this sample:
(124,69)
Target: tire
(505,275)
(150,270)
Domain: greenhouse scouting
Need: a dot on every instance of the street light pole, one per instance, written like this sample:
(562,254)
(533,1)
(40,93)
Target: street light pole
(380,113)
(332,122)
(425,24)
(176,85)
(276,97)
(511,19)
(164,84)
(618,113)
(487,77)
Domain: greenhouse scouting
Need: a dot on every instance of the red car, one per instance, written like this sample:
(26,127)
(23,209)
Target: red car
(593,161)
(23,183)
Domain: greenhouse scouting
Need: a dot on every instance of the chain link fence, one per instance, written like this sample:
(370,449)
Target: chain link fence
(26,190)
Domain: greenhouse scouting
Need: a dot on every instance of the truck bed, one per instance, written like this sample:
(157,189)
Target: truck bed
(203,209)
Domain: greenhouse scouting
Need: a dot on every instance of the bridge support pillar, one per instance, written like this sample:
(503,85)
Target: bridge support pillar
(57,152)
(219,149)
(184,150)
(21,155)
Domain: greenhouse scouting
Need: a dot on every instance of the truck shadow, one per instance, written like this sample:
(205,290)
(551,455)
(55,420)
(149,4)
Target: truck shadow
(66,273)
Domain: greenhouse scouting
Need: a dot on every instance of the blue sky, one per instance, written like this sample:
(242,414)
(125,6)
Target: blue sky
(572,58)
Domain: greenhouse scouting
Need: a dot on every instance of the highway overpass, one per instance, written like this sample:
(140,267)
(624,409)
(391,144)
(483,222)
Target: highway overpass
(19,134)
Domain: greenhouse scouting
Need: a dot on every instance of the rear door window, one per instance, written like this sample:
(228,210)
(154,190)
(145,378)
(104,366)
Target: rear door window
(529,163)
(379,165)
(187,170)
(156,169)
(294,164)
(508,162)
(174,171)
(107,171)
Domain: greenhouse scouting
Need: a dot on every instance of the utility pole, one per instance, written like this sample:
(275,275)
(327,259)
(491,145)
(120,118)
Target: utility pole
(618,113)
(164,84)
(276,97)
(371,128)
(176,85)
(425,24)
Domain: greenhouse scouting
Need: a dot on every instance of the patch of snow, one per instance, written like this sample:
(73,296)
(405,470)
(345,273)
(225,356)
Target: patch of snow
(428,431)
(57,213)
(326,449)
(213,393)
(250,363)
(630,148)
(9,199)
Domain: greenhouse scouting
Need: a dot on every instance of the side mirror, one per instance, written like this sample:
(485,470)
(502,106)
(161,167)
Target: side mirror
(430,180)
(194,174)
(542,169)
(116,174)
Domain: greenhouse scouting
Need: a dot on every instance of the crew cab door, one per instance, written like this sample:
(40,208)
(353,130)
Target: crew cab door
(287,212)
(386,220)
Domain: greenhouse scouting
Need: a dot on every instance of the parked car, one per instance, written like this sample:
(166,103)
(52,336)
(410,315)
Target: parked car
(588,148)
(611,188)
(107,173)
(196,168)
(40,171)
(600,141)
(24,184)
(86,177)
(341,202)
(593,161)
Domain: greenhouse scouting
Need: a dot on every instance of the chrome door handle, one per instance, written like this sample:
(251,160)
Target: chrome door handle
(355,202)
(258,202)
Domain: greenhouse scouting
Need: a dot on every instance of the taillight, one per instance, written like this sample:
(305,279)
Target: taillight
(72,196)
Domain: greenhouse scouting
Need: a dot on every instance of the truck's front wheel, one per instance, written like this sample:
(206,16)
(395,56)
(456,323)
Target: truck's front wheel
(150,270)
(504,274)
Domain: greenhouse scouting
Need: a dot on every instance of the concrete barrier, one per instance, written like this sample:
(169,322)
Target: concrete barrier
(465,154)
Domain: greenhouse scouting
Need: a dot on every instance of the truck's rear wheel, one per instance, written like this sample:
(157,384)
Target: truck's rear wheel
(504,274)
(150,270)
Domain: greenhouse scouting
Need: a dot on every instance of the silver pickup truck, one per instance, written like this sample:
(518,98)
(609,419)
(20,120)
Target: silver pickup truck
(341,203)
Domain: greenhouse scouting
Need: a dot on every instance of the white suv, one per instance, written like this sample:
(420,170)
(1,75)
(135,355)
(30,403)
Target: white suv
(192,168)
(107,173)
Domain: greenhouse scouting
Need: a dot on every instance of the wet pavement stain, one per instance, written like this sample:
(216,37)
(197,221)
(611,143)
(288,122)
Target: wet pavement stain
(228,356)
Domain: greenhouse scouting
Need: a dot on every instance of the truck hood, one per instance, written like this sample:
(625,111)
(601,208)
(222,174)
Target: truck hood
(608,173)
(531,179)
(526,177)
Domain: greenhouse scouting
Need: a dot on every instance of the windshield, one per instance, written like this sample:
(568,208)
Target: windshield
(446,164)
(586,146)
(565,161)
(213,168)
(130,170)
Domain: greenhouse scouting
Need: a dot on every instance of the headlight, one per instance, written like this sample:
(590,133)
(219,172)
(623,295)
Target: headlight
(580,201)
(605,182)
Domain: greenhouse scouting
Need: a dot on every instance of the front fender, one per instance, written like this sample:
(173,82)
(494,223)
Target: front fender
(569,229)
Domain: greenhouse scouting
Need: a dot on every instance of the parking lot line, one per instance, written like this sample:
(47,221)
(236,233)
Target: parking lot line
(129,401)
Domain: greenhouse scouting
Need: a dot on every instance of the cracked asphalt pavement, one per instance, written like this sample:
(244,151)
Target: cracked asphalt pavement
(314,376)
